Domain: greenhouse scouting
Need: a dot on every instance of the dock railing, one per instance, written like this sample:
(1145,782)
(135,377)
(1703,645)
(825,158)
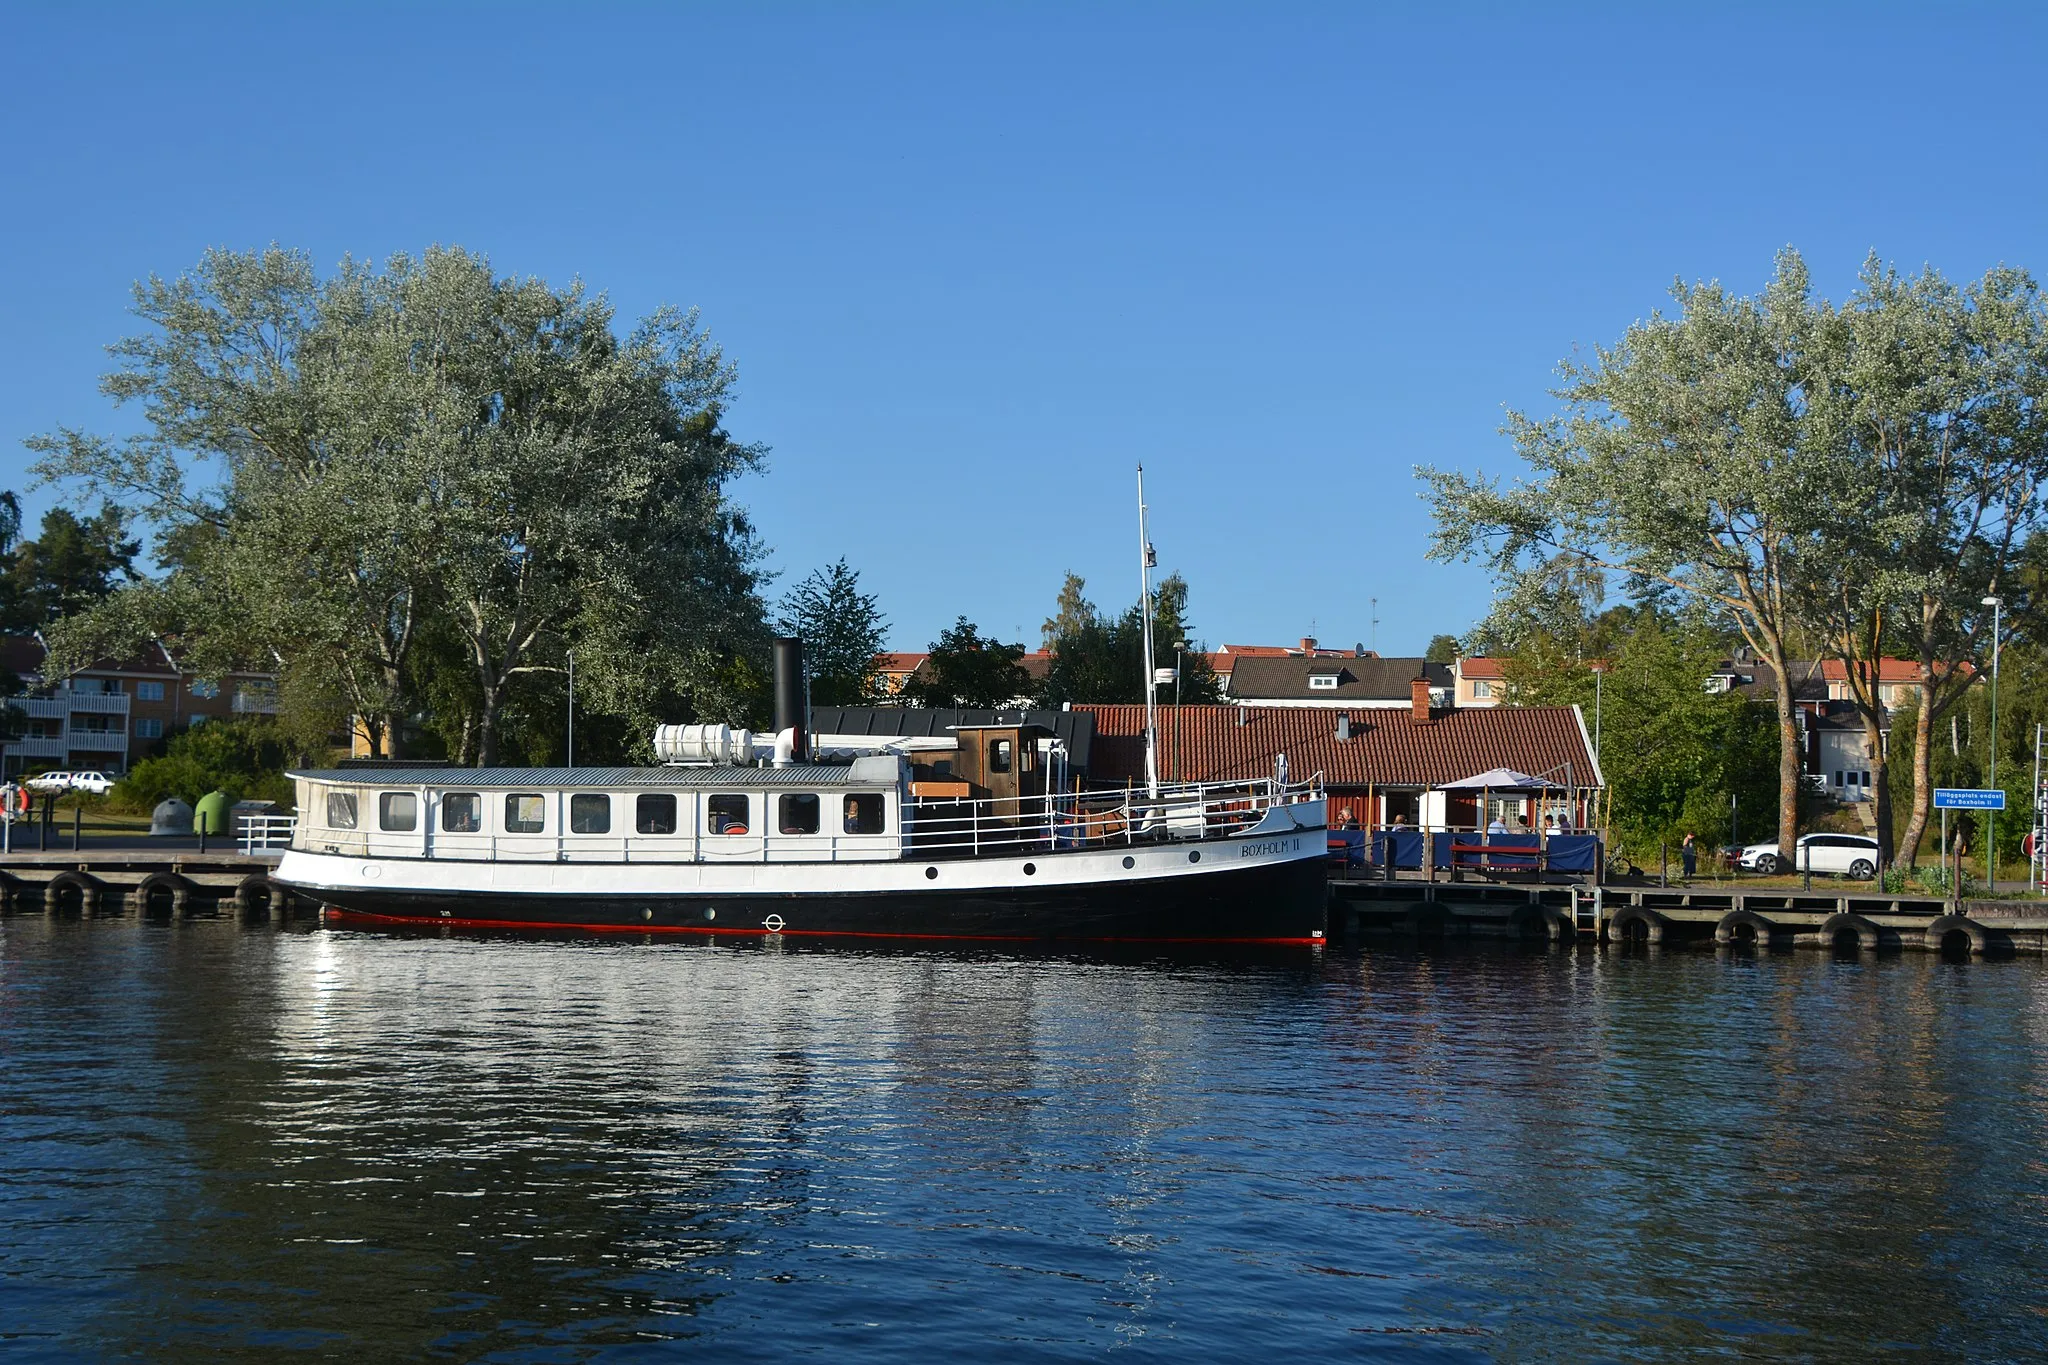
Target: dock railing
(256,833)
(1095,819)
(1384,850)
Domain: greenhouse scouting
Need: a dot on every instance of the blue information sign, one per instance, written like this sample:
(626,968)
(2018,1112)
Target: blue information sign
(1968,798)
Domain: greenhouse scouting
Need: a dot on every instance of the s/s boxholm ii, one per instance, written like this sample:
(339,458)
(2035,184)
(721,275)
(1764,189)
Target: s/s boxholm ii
(989,840)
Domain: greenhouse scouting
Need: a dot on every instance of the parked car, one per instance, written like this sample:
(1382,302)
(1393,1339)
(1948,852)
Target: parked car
(1846,855)
(95,782)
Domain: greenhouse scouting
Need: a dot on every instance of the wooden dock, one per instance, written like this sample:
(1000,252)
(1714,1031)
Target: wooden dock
(144,881)
(1762,919)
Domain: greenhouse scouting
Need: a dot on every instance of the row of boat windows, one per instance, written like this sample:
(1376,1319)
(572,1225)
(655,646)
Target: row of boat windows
(725,813)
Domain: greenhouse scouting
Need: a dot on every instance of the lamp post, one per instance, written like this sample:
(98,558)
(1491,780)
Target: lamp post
(1178,647)
(1599,671)
(572,709)
(1997,605)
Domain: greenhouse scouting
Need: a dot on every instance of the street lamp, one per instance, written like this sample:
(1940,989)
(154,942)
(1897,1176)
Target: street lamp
(1599,671)
(1997,605)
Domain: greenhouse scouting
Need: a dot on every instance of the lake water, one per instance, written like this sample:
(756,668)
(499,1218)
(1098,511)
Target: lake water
(228,1142)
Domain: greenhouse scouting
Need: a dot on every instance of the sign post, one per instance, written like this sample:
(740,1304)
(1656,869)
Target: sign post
(1947,799)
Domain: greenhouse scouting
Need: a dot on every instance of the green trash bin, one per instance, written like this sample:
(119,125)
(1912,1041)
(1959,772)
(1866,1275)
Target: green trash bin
(210,816)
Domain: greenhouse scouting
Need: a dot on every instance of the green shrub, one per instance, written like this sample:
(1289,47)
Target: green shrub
(244,758)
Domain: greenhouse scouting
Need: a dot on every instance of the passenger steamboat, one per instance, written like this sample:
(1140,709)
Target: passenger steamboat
(734,834)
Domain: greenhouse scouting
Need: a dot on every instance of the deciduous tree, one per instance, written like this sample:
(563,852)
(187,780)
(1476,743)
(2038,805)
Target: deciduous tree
(1680,460)
(967,668)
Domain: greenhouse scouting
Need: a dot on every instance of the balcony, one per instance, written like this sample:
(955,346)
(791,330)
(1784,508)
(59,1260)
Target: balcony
(35,746)
(248,703)
(96,703)
(39,708)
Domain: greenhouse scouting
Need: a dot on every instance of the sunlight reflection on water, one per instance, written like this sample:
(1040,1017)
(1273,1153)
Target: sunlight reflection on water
(246,1141)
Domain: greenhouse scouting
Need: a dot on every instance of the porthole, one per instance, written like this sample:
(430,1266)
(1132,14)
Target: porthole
(646,914)
(1031,869)
(1130,863)
(710,912)
(1194,855)
(931,874)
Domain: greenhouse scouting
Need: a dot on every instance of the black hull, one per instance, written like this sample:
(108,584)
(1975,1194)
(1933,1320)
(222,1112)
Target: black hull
(1274,903)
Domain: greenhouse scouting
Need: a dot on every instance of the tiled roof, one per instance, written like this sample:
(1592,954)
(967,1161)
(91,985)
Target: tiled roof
(1387,747)
(1888,670)
(899,663)
(1357,679)
(1480,668)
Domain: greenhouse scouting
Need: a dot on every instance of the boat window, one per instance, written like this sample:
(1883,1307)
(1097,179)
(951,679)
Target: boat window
(999,755)
(341,810)
(524,813)
(590,813)
(398,812)
(796,814)
(864,813)
(462,812)
(725,814)
(655,813)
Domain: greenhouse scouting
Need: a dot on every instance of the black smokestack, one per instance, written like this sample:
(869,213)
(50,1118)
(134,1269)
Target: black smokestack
(789,695)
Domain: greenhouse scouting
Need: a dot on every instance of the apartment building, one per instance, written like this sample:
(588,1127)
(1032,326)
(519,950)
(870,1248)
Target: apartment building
(118,711)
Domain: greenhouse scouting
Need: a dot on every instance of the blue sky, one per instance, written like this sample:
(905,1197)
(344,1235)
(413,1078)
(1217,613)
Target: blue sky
(975,262)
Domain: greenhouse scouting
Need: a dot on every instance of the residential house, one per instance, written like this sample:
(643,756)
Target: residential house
(1477,682)
(108,716)
(1376,763)
(896,670)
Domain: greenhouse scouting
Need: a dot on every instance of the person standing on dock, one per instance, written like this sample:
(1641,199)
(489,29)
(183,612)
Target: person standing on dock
(1689,857)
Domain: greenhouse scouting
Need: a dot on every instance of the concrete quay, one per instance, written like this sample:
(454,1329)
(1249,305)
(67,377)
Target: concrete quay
(1685,915)
(168,882)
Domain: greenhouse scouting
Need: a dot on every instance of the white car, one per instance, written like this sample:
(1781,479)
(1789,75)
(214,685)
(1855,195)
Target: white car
(1846,855)
(95,782)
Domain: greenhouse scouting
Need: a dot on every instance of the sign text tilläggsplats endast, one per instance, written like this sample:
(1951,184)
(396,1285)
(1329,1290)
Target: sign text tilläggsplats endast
(1968,798)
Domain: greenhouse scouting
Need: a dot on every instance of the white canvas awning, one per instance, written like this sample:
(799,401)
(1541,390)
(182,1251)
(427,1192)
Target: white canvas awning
(1502,780)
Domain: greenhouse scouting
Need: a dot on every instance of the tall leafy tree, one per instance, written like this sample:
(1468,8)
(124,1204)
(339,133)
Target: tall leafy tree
(1680,460)
(1100,659)
(428,448)
(1071,613)
(967,668)
(1927,403)
(1443,649)
(842,630)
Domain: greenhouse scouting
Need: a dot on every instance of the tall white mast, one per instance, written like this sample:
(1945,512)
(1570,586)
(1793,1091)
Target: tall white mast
(1146,559)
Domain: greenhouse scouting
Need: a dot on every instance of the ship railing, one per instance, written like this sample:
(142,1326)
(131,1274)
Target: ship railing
(1096,819)
(255,833)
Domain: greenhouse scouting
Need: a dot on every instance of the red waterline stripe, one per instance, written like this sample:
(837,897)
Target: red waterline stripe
(338,915)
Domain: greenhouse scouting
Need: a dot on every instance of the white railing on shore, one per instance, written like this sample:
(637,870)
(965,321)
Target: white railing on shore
(258,832)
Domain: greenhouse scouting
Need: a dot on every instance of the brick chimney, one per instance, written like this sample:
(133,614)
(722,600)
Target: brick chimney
(1308,644)
(1418,701)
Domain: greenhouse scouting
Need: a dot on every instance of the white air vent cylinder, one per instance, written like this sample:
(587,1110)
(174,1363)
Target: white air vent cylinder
(715,744)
